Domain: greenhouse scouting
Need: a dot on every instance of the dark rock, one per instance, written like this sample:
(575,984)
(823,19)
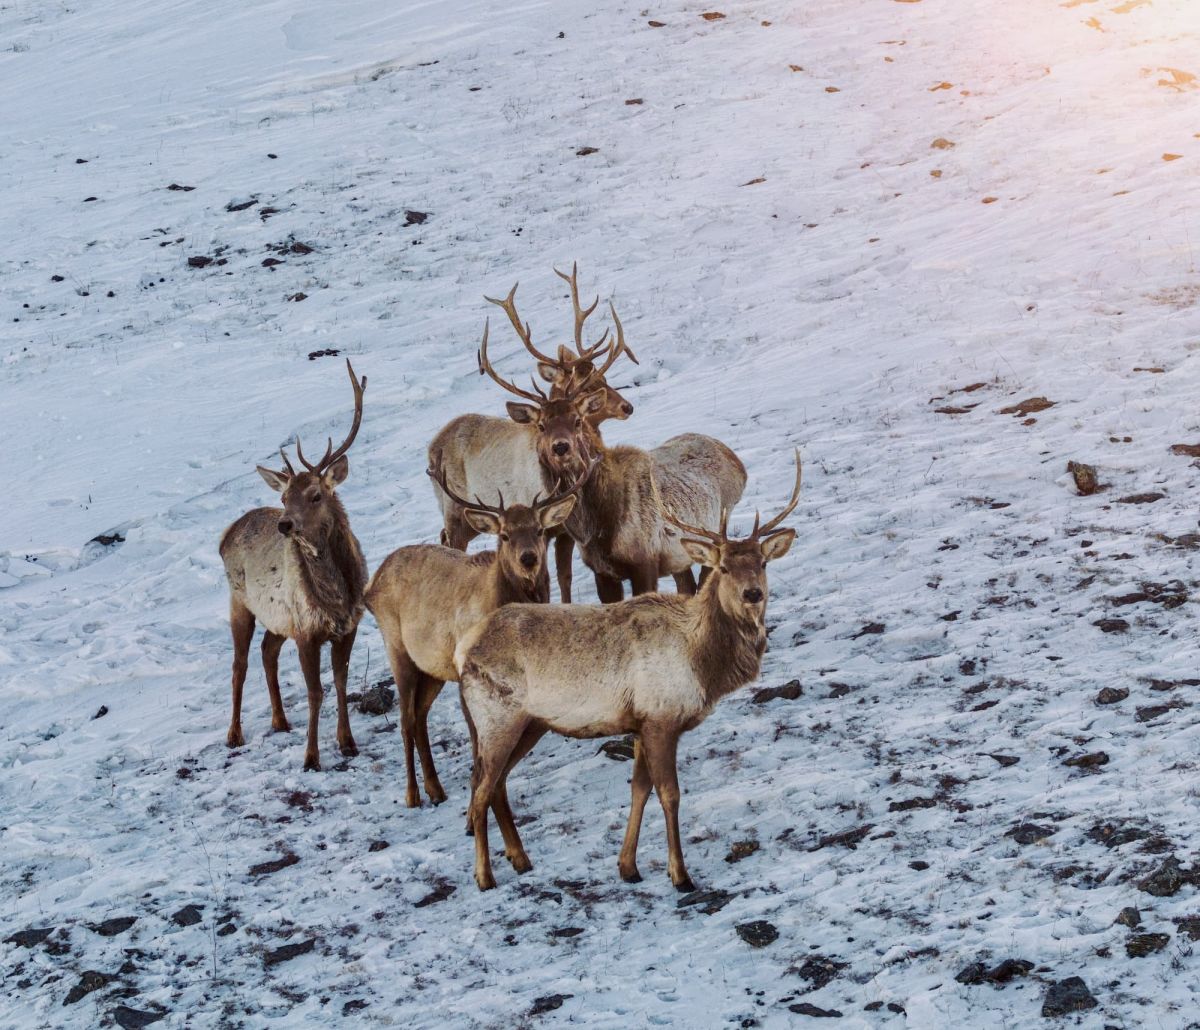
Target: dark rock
(803,1008)
(758,933)
(1089,761)
(1066,996)
(297,297)
(1186,450)
(301,248)
(189,915)
(271,263)
(1111,695)
(1128,916)
(107,539)
(896,1007)
(585,151)
(911,803)
(1027,407)
(1005,760)
(1146,498)
(818,971)
(57,278)
(846,839)
(1112,835)
(301,799)
(1031,833)
(176,188)
(199,261)
(1140,945)
(790,691)
(88,982)
(354,1005)
(1165,881)
(416,217)
(441,891)
(1189,926)
(870,629)
(289,952)
(241,205)
(227,929)
(377,700)
(707,901)
(273,866)
(114,926)
(548,1003)
(1084,476)
(619,749)
(741,849)
(975,973)
(566,931)
(134,1019)
(1111,625)
(378,845)
(919,865)
(101,712)
(1151,712)
(29,938)
(1009,970)
(328,352)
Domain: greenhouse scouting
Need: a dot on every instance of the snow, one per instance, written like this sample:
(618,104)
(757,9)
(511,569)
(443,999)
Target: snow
(823,306)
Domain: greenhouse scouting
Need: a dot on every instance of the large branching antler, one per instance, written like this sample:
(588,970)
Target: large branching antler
(485,366)
(509,307)
(619,346)
(758,532)
(767,529)
(331,455)
(438,475)
(582,314)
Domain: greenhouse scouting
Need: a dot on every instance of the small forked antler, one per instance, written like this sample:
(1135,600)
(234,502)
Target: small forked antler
(722,536)
(767,529)
(509,307)
(438,475)
(485,366)
(619,347)
(559,493)
(331,455)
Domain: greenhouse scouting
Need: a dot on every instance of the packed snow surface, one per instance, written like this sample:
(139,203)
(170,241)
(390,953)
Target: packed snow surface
(870,229)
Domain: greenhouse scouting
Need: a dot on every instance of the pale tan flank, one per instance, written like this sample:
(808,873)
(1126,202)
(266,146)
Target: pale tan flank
(426,597)
(300,572)
(653,666)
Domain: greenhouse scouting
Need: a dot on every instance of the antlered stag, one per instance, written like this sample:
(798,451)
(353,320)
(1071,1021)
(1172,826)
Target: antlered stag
(654,666)
(618,522)
(300,572)
(483,455)
(425,597)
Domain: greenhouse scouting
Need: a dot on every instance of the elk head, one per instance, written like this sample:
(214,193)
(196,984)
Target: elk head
(586,366)
(567,437)
(310,505)
(522,530)
(739,575)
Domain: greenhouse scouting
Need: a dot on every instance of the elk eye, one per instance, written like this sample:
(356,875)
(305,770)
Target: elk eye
(721,568)
(504,536)
(541,427)
(764,564)
(315,498)
(578,421)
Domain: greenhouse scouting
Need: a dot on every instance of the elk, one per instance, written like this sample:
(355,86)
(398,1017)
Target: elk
(619,523)
(300,572)
(425,597)
(654,666)
(484,455)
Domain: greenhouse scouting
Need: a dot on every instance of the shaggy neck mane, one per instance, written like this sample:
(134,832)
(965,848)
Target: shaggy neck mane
(334,578)
(726,651)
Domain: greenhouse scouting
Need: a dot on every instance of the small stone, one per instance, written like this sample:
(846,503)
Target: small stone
(377,700)
(1165,881)
(1140,945)
(416,217)
(790,691)
(1066,996)
(1111,695)
(274,865)
(1190,926)
(1111,625)
(29,938)
(911,803)
(135,1019)
(709,902)
(741,849)
(289,952)
(1151,712)
(189,915)
(920,865)
(804,1008)
(1145,498)
(199,261)
(1027,407)
(1085,477)
(101,712)
(758,933)
(114,926)
(1128,916)
(566,931)
(548,1003)
(378,845)
(1030,833)
(88,982)
(585,151)
(441,891)
(1089,761)
(847,838)
(1005,760)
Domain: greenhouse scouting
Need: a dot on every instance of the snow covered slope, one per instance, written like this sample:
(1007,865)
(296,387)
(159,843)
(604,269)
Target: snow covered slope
(866,228)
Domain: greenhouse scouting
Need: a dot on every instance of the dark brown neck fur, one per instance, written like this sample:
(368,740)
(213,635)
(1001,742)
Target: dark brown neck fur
(336,577)
(726,651)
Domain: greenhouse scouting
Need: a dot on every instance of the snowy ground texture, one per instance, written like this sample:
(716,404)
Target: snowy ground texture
(868,228)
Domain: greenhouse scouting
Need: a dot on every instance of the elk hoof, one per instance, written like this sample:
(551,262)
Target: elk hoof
(282,726)
(412,799)
(485,883)
(349,750)
(312,763)
(436,794)
(521,862)
(631,876)
(234,738)
(470,830)
(685,886)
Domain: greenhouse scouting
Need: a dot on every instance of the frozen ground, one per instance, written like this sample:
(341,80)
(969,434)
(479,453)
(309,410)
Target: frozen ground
(821,224)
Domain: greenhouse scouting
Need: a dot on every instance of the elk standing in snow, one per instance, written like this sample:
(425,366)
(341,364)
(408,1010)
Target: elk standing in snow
(484,456)
(300,572)
(425,597)
(653,666)
(618,522)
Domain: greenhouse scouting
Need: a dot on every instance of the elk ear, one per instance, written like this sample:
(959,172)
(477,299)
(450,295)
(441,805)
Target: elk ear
(558,513)
(482,521)
(277,481)
(777,546)
(593,403)
(526,414)
(547,371)
(701,552)
(337,472)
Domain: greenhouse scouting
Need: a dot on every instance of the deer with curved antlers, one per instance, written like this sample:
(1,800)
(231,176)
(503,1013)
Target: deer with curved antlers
(619,522)
(300,572)
(483,455)
(425,597)
(654,666)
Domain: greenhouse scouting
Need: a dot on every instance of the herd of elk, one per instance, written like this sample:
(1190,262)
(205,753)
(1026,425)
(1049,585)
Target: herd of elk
(653,666)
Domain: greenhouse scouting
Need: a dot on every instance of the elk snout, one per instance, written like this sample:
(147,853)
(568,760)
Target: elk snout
(626,408)
(561,447)
(285,526)
(529,559)
(752,595)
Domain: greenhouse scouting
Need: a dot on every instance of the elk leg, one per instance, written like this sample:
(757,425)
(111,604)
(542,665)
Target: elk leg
(609,589)
(427,692)
(685,582)
(241,625)
(407,677)
(564,548)
(474,757)
(640,791)
(661,745)
(271,646)
(644,580)
(493,758)
(514,851)
(340,657)
(310,665)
